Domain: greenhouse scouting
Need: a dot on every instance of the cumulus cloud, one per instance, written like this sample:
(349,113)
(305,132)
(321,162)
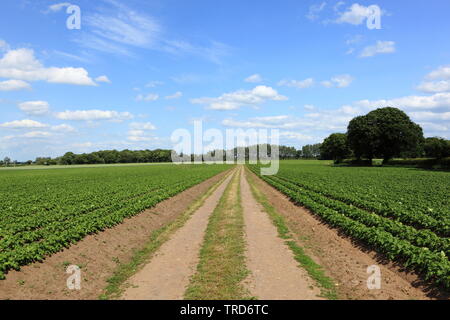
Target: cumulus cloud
(23,124)
(339,81)
(103,79)
(36,134)
(35,108)
(176,95)
(235,100)
(93,115)
(436,101)
(435,127)
(356,14)
(429,116)
(437,81)
(21,64)
(63,128)
(14,85)
(434,86)
(141,132)
(379,48)
(254,78)
(147,97)
(442,72)
(299,84)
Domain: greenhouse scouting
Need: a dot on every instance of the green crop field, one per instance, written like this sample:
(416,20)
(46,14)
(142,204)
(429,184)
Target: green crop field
(403,213)
(43,211)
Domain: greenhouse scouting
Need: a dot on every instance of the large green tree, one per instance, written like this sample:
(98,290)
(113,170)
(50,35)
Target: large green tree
(335,147)
(384,132)
(361,137)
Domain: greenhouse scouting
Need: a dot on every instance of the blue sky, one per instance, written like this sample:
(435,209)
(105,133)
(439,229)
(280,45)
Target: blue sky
(138,70)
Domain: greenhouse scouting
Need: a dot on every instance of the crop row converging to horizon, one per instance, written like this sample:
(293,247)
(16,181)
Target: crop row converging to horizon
(402,213)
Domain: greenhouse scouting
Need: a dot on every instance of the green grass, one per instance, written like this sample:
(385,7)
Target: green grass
(221,269)
(140,257)
(315,271)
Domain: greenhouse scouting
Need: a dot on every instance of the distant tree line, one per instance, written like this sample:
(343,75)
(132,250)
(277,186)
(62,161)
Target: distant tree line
(155,156)
(285,152)
(383,133)
(108,157)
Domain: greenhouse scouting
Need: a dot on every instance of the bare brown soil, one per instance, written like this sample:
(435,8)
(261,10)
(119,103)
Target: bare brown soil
(275,274)
(344,260)
(168,273)
(97,254)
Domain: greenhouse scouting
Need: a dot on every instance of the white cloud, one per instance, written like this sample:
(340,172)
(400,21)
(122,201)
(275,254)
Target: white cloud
(118,28)
(309,107)
(63,128)
(254,78)
(430,116)
(292,135)
(235,100)
(442,72)
(314,10)
(438,100)
(176,95)
(147,97)
(142,126)
(378,48)
(339,81)
(434,127)
(300,84)
(434,86)
(83,145)
(356,14)
(35,108)
(36,134)
(21,64)
(58,6)
(14,85)
(140,132)
(23,124)
(103,79)
(92,115)
(272,119)
(125,26)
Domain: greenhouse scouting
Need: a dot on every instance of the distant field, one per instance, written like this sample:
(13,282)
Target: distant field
(401,212)
(43,211)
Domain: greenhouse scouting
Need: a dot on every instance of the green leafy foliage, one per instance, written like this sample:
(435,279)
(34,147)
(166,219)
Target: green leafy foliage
(400,212)
(44,211)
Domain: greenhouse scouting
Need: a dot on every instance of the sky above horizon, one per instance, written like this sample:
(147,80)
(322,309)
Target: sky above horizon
(137,70)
